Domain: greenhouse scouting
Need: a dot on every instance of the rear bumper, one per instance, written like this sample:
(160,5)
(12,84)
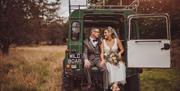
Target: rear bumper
(74,73)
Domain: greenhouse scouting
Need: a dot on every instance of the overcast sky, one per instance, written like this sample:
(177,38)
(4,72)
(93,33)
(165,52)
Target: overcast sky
(64,9)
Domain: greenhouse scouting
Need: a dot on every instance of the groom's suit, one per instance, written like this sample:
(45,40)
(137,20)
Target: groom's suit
(92,53)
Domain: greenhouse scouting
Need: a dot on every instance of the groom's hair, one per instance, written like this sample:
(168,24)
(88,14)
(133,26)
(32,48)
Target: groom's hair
(93,29)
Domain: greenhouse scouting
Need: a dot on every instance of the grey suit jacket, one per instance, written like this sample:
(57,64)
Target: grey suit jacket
(90,52)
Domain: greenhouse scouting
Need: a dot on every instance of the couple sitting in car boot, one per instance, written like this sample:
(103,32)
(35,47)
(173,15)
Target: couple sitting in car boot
(106,55)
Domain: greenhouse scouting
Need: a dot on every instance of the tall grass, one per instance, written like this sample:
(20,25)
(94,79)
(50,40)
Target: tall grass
(160,80)
(40,68)
(164,79)
(36,69)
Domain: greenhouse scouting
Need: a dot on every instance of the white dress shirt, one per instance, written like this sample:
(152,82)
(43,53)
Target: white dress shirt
(93,42)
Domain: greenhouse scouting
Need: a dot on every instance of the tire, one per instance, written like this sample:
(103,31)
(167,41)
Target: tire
(67,84)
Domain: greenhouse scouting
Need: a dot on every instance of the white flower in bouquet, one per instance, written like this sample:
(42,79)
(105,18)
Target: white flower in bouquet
(113,58)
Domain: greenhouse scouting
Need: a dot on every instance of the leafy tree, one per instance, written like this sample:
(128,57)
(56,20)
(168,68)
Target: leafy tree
(22,20)
(164,6)
(155,6)
(56,33)
(175,18)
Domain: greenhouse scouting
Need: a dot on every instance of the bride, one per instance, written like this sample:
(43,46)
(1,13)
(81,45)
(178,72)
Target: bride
(116,69)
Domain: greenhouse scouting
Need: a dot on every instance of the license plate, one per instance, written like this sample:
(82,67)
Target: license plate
(74,61)
(74,55)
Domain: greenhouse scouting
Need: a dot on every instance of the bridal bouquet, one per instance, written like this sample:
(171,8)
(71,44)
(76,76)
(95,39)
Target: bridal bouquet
(113,58)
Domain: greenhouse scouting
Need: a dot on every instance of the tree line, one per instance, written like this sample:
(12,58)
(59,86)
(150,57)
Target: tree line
(37,22)
(30,22)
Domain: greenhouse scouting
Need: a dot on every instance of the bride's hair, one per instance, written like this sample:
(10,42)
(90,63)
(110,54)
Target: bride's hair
(112,31)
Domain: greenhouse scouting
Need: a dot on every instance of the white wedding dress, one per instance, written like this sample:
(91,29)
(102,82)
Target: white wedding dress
(117,73)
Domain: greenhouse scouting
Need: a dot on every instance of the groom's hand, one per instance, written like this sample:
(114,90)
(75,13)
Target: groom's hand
(87,64)
(102,63)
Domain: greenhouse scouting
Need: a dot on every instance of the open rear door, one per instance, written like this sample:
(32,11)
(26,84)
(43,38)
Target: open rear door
(148,42)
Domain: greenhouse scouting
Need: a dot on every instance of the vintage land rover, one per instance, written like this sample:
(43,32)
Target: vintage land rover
(145,37)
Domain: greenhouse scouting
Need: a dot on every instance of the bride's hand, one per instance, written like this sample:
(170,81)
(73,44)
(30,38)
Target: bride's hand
(120,55)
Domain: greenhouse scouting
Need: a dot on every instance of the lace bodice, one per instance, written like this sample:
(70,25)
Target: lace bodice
(107,48)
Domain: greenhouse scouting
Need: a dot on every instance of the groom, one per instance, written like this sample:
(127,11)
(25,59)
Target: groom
(91,56)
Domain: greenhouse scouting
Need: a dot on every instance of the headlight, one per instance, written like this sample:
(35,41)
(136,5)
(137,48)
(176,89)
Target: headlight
(68,66)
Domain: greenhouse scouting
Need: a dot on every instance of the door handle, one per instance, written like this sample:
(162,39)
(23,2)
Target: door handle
(147,41)
(166,46)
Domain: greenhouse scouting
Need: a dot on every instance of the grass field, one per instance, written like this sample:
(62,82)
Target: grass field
(39,69)
(160,80)
(32,69)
